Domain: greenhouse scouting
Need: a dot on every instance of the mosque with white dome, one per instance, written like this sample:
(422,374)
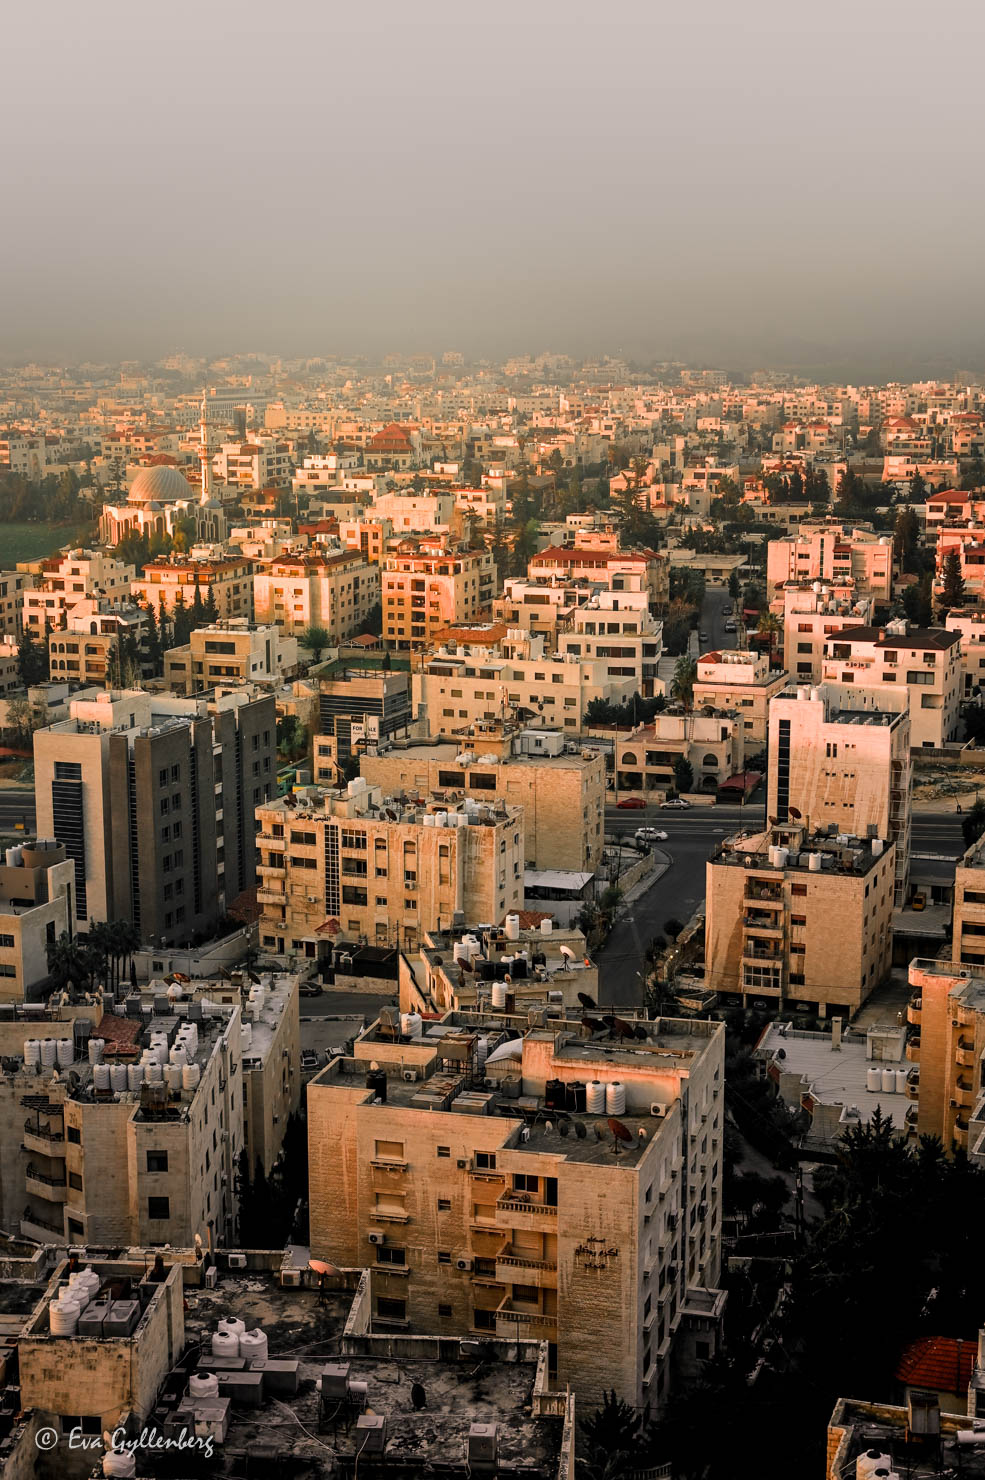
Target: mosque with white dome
(159,499)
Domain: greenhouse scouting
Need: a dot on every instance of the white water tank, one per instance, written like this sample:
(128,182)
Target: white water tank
(135,1076)
(872,1460)
(889,1081)
(100,1076)
(32,1052)
(245,1036)
(411,1025)
(172,1076)
(118,1076)
(615,1098)
(120,1463)
(461,951)
(233,1326)
(429,819)
(178,1056)
(814,862)
(873,1079)
(782,854)
(595,1097)
(64,1052)
(63,1316)
(547,926)
(190,1076)
(225,1344)
(153,1073)
(512,927)
(253,1345)
(499,995)
(901,1081)
(482,1052)
(49,1053)
(96,1046)
(877,847)
(203,1385)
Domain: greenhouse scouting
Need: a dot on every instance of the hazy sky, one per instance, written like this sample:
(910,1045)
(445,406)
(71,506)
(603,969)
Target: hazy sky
(790,182)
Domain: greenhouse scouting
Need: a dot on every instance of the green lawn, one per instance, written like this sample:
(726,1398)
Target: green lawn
(32,541)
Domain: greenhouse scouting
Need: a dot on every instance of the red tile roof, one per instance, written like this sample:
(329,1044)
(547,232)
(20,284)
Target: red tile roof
(942,1363)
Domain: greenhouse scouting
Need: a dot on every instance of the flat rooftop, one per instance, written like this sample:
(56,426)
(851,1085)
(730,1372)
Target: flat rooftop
(838,1076)
(839,853)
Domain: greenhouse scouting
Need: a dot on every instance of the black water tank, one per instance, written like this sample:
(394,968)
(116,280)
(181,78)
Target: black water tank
(376,1081)
(554,1094)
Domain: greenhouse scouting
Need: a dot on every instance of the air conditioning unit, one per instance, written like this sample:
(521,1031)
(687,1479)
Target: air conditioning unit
(211,1277)
(463,1263)
(464,1164)
(657,1110)
(289,1278)
(410,1076)
(237,1261)
(376,1236)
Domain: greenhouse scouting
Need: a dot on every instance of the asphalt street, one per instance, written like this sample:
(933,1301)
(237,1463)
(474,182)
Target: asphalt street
(16,807)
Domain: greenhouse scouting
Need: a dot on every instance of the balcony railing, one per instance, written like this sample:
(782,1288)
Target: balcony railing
(913,1050)
(513,1204)
(913,1013)
(526,1317)
(964,1054)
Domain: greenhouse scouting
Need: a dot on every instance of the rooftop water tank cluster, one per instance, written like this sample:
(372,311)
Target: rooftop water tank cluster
(231,1339)
(68,1305)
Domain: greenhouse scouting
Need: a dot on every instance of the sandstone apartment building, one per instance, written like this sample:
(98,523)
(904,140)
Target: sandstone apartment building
(742,683)
(353,865)
(333,589)
(839,756)
(479,1214)
(559,784)
(799,916)
(811,612)
(830,551)
(430,584)
(926,661)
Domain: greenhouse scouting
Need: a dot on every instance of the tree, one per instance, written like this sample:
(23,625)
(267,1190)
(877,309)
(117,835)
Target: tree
(23,718)
(952,588)
(973,473)
(155,651)
(683,774)
(314,640)
(616,1441)
(734,586)
(32,660)
(973,823)
(181,622)
(682,684)
(769,624)
(907,538)
(918,488)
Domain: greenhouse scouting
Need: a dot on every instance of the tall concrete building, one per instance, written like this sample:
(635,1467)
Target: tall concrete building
(947,1019)
(355,707)
(37,884)
(794,915)
(493,1195)
(153,799)
(559,784)
(352,865)
(926,660)
(840,756)
(430,584)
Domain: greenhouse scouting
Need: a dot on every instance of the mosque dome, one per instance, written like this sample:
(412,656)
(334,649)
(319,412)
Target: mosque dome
(160,484)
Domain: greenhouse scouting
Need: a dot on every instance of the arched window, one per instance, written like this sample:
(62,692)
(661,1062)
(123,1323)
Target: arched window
(628,758)
(710,760)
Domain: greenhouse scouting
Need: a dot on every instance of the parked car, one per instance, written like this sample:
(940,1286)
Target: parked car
(650,835)
(727,610)
(309,1059)
(675,804)
(631,802)
(702,637)
(730,627)
(311,989)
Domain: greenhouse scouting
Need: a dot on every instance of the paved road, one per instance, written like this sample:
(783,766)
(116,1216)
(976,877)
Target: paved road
(713,619)
(936,832)
(691,837)
(16,806)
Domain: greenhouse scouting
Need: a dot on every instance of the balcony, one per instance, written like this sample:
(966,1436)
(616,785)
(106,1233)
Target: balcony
(770,895)
(913,1013)
(964,1094)
(774,958)
(961,1132)
(964,1054)
(271,870)
(512,1269)
(512,1317)
(34,1225)
(40,1184)
(271,896)
(43,1139)
(766,926)
(913,1050)
(509,1207)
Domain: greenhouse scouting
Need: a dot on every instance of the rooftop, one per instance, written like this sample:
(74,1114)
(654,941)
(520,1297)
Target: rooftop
(792,849)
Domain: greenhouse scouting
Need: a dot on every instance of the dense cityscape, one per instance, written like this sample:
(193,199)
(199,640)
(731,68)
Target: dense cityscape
(492,919)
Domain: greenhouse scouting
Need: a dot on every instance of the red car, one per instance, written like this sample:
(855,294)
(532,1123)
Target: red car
(631,802)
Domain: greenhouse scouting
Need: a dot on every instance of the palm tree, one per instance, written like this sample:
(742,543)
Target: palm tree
(682,684)
(769,623)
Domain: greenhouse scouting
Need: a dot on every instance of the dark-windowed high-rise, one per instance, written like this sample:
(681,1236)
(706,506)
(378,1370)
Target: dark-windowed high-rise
(153,798)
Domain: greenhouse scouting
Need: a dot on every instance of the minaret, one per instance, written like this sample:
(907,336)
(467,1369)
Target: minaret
(205,452)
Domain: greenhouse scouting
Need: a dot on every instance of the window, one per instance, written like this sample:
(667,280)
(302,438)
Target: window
(73,1134)
(389,1151)
(444,1151)
(444,1311)
(444,1256)
(485,1160)
(522,1182)
(484,1320)
(390,1310)
(387,1254)
(158,1208)
(6,942)
(444,1204)
(157,1161)
(75,1181)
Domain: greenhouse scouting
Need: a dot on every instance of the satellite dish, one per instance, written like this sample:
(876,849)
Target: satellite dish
(795,812)
(319,1267)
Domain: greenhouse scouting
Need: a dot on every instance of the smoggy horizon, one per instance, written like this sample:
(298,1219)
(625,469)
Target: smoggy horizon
(741,190)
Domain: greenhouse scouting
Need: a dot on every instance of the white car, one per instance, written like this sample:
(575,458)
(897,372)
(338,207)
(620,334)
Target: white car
(650,835)
(676,804)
